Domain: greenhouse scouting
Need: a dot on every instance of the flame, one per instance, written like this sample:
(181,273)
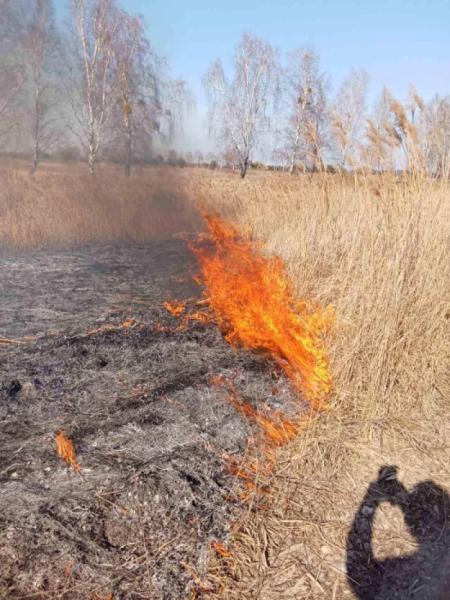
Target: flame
(175,308)
(126,324)
(221,549)
(129,323)
(65,450)
(249,296)
(255,307)
(277,428)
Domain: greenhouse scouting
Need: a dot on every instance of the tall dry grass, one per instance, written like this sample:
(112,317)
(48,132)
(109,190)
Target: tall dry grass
(377,252)
(375,248)
(62,205)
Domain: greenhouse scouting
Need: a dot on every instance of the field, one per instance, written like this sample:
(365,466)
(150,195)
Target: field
(373,248)
(377,251)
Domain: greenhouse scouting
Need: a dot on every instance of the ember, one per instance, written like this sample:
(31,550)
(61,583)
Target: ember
(175,308)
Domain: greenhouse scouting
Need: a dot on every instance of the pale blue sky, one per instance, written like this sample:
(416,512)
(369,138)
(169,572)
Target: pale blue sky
(398,42)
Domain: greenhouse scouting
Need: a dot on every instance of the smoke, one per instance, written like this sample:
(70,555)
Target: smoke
(65,206)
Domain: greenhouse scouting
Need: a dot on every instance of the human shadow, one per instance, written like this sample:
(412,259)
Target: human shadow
(423,575)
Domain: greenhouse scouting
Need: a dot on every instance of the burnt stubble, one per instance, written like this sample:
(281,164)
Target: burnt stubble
(149,429)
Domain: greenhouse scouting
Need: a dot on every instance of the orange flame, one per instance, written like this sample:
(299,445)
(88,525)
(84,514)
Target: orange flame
(220,549)
(175,308)
(277,428)
(65,450)
(129,323)
(255,307)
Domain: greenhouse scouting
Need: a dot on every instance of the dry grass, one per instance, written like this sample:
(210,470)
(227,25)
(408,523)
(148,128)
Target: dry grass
(377,250)
(64,206)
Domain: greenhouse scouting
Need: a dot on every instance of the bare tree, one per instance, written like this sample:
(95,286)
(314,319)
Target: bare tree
(347,117)
(137,81)
(11,83)
(151,105)
(239,107)
(12,71)
(177,102)
(304,137)
(198,157)
(41,53)
(96,23)
(437,136)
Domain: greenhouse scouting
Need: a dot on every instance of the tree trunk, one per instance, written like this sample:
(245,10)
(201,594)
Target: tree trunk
(129,148)
(91,154)
(36,154)
(91,162)
(37,131)
(93,143)
(35,157)
(244,167)
(295,147)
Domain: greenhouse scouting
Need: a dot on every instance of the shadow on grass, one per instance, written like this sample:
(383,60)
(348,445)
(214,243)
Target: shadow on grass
(423,575)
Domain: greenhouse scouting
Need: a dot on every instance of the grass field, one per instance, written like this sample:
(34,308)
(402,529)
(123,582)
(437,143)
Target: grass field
(376,249)
(63,205)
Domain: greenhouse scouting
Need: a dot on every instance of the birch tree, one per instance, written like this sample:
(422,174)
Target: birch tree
(41,55)
(150,104)
(437,136)
(239,107)
(96,23)
(12,71)
(304,137)
(132,51)
(348,118)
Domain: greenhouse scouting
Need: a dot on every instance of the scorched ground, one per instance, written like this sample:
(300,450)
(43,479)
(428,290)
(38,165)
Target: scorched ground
(88,347)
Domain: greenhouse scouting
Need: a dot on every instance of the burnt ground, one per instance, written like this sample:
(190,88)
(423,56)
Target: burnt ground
(148,427)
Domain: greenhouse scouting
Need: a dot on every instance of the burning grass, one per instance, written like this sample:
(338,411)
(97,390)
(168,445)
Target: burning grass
(65,450)
(377,252)
(254,306)
(249,296)
(376,249)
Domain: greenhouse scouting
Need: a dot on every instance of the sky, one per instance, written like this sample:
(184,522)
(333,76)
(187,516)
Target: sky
(398,42)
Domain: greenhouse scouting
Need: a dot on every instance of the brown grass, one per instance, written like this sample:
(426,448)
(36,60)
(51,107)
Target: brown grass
(376,249)
(65,206)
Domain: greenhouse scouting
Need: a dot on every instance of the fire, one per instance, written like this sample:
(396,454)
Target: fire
(175,308)
(276,427)
(255,307)
(65,450)
(220,549)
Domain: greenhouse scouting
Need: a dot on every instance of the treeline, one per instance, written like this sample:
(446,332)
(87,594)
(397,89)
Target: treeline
(288,106)
(92,88)
(95,88)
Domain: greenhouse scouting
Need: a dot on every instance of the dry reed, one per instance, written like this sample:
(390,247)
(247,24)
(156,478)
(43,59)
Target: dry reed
(65,206)
(375,248)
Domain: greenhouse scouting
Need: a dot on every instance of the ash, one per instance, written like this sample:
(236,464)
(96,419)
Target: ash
(149,429)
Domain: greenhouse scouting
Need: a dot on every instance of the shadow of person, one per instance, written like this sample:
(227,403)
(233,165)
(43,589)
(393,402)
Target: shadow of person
(423,575)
